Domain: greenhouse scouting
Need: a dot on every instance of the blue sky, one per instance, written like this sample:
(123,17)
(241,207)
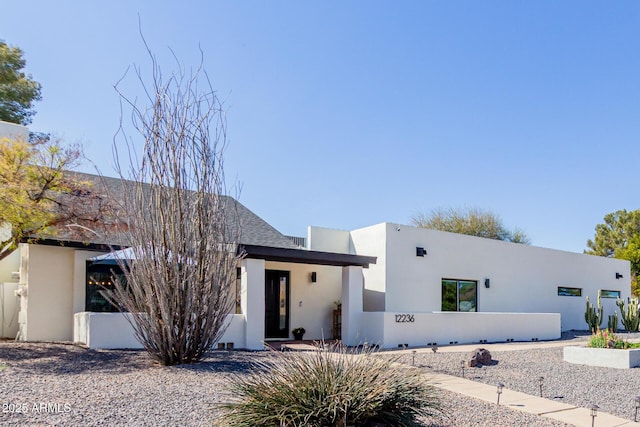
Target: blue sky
(344,114)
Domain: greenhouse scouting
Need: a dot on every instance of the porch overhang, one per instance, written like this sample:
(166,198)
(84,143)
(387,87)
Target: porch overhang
(303,256)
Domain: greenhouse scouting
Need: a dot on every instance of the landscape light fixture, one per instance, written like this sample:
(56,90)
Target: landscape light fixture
(421,251)
(541,379)
(594,413)
(499,391)
(462,363)
(635,418)
(619,276)
(413,358)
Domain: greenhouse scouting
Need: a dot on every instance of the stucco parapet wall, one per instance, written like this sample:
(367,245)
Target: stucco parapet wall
(604,357)
(113,331)
(389,330)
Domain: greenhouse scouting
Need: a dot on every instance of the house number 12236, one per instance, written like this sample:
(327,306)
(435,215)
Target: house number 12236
(405,318)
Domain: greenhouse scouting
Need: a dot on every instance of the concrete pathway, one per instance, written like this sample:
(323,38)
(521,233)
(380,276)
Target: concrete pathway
(515,400)
(523,402)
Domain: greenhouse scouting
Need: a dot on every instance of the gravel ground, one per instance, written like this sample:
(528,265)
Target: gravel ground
(66,385)
(613,390)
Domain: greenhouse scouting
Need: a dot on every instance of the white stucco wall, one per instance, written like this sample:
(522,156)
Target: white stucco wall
(327,240)
(49,280)
(522,278)
(372,241)
(448,327)
(113,330)
(13,130)
(55,280)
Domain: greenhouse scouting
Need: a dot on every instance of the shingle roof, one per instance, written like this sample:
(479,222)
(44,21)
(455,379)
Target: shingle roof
(253,229)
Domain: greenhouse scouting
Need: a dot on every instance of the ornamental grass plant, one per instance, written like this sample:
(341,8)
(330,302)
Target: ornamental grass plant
(331,387)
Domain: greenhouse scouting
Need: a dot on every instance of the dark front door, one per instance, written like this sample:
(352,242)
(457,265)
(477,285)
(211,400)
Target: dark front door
(276,304)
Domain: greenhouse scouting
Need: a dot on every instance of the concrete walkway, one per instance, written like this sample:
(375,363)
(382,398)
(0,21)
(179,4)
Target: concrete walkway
(515,400)
(523,402)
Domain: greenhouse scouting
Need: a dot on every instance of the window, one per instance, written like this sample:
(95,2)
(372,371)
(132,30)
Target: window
(459,295)
(99,283)
(609,294)
(564,291)
(238,290)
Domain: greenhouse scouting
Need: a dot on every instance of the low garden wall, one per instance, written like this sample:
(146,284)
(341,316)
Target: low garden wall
(112,330)
(604,357)
(389,330)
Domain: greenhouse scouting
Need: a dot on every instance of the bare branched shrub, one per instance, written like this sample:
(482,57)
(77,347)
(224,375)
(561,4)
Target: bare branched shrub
(180,226)
(332,387)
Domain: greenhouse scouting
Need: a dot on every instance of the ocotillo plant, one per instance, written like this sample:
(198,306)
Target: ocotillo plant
(592,317)
(630,316)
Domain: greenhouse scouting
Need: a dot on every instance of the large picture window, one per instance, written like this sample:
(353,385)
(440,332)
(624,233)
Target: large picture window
(459,295)
(99,282)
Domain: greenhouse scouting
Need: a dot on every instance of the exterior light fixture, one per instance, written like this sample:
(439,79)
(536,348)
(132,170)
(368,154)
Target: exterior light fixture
(635,418)
(462,363)
(594,413)
(499,391)
(487,282)
(619,276)
(541,379)
(421,251)
(314,277)
(413,358)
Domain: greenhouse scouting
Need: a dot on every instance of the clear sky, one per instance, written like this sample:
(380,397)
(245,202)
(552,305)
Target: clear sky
(344,114)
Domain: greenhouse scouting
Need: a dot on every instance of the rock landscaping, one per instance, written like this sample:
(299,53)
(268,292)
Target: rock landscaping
(66,385)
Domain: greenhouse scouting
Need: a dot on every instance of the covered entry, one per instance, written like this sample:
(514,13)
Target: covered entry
(277,293)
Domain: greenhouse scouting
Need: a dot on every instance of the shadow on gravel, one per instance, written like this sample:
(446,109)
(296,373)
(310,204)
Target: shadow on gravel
(70,359)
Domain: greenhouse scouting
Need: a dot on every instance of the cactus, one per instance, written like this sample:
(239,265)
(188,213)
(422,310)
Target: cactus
(592,317)
(612,324)
(630,316)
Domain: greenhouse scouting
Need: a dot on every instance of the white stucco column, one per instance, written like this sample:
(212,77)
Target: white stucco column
(252,302)
(352,285)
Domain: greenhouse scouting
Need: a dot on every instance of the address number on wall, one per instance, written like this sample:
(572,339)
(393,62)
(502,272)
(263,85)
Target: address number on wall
(405,318)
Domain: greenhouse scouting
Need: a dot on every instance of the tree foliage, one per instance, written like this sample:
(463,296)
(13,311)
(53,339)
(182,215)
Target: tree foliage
(179,221)
(619,237)
(39,197)
(470,221)
(18,91)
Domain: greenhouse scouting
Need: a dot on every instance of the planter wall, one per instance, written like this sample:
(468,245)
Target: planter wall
(604,357)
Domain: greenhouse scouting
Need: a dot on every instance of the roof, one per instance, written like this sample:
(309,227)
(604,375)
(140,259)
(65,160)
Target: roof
(253,229)
(303,256)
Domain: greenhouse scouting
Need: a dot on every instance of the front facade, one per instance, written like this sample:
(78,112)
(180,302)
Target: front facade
(397,285)
(387,284)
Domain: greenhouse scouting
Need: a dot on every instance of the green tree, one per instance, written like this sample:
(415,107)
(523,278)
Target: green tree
(18,91)
(470,221)
(38,197)
(619,237)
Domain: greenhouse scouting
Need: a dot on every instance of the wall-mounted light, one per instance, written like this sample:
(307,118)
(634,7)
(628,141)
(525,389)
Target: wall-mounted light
(314,277)
(487,283)
(619,276)
(421,251)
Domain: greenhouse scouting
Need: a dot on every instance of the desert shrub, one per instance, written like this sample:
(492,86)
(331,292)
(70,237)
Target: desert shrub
(607,339)
(329,388)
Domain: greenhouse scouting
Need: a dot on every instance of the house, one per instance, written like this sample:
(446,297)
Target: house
(398,285)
